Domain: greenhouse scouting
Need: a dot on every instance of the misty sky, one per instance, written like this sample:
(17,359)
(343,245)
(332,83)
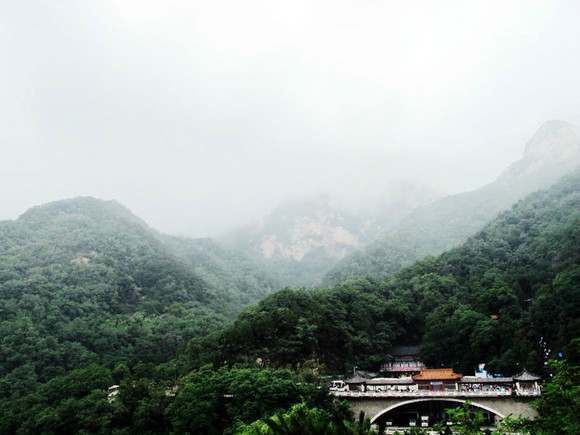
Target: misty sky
(200,115)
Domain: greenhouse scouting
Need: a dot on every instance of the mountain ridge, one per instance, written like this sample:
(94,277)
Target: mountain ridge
(84,280)
(507,297)
(451,220)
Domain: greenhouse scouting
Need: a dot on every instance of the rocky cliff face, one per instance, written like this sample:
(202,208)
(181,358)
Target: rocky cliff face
(552,152)
(300,240)
(554,141)
(305,235)
(295,229)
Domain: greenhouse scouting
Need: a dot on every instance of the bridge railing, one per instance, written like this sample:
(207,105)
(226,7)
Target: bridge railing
(407,394)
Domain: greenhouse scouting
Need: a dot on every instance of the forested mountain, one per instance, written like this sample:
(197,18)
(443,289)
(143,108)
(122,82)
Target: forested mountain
(84,281)
(235,276)
(508,297)
(551,153)
(90,296)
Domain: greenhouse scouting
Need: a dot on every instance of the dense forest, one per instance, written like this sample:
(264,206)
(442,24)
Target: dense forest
(103,300)
(84,281)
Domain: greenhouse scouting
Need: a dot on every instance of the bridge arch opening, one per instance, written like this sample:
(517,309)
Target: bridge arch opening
(430,410)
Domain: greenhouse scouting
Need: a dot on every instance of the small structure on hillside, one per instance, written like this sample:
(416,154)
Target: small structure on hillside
(112,392)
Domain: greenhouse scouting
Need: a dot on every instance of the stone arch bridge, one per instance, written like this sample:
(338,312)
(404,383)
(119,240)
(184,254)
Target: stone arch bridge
(497,405)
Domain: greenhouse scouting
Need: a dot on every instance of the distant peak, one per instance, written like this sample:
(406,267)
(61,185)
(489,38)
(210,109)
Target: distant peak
(556,139)
(88,206)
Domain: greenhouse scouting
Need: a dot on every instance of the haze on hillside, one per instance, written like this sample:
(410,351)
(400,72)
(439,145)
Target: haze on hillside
(201,116)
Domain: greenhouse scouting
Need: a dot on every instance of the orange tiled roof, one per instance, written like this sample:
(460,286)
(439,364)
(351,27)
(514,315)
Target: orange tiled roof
(437,375)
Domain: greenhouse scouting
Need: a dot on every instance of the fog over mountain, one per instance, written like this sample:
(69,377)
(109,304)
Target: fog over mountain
(304,241)
(201,117)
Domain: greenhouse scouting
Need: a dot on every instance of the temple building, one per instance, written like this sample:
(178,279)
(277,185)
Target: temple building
(444,380)
(437,380)
(526,381)
(403,362)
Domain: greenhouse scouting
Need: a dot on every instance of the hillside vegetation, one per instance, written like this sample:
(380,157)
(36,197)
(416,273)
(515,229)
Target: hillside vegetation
(85,281)
(508,297)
